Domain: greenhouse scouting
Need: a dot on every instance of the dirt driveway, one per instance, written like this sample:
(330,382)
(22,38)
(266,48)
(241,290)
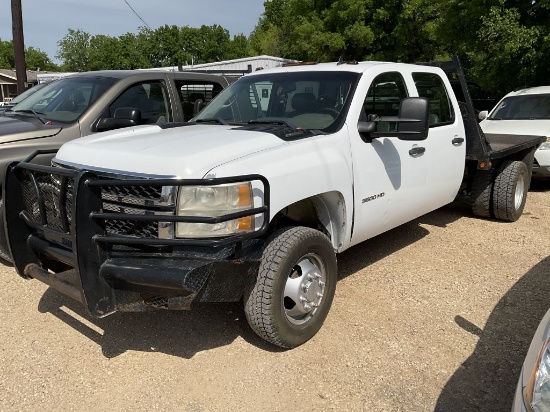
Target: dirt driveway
(434,315)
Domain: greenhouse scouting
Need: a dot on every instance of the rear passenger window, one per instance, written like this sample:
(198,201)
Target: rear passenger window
(431,86)
(384,98)
(191,91)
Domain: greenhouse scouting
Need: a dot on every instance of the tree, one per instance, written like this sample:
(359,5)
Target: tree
(503,44)
(38,60)
(165,46)
(415,33)
(214,44)
(238,47)
(130,50)
(514,55)
(7,60)
(325,30)
(35,58)
(74,51)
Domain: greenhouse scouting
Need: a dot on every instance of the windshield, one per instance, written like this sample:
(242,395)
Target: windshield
(19,98)
(63,101)
(304,100)
(534,106)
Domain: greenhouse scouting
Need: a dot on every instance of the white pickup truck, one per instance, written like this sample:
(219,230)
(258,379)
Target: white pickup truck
(255,197)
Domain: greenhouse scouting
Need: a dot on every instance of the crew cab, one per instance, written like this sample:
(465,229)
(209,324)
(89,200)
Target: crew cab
(86,103)
(254,198)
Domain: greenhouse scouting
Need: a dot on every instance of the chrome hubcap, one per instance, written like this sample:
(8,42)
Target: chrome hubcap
(304,289)
(518,196)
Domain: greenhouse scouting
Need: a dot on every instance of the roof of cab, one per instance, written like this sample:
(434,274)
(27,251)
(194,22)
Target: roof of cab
(358,67)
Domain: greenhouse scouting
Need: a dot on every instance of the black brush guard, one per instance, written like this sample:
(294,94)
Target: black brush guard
(58,233)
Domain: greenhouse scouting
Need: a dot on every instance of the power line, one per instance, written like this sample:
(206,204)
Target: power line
(135,12)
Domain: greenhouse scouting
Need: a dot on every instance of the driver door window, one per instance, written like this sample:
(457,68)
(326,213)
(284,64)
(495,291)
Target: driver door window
(151,98)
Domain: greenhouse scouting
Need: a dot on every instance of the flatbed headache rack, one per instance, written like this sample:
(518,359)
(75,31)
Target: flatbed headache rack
(480,147)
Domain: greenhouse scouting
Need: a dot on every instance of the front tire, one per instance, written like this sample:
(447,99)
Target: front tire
(510,190)
(294,288)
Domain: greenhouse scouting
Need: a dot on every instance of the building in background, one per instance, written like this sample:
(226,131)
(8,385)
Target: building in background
(236,66)
(8,84)
(8,78)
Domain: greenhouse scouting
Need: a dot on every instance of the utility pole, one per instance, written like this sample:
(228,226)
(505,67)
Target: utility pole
(18,45)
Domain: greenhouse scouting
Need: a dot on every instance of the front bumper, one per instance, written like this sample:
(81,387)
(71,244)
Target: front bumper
(60,231)
(541,172)
(541,164)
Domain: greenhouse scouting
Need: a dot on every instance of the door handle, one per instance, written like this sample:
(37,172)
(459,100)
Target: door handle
(457,140)
(415,151)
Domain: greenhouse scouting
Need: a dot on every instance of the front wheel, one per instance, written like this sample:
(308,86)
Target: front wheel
(510,190)
(294,288)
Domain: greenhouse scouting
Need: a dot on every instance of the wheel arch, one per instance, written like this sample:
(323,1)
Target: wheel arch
(325,212)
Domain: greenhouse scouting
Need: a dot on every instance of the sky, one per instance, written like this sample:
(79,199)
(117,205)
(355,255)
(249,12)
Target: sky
(47,22)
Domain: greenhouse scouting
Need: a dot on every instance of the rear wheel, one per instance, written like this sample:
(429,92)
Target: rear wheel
(510,190)
(294,288)
(482,190)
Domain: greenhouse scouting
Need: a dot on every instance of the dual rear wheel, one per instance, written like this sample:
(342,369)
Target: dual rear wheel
(502,195)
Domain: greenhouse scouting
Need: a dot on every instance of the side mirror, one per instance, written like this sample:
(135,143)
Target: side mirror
(413,118)
(483,115)
(123,117)
(412,121)
(198,106)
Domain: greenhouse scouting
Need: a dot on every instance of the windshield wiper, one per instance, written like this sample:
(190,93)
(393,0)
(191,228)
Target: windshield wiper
(279,122)
(212,120)
(37,114)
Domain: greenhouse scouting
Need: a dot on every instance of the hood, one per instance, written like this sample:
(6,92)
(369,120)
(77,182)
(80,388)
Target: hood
(13,129)
(535,127)
(188,151)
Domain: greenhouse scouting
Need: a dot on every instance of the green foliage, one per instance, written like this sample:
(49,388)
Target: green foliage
(74,50)
(503,44)
(7,60)
(516,49)
(163,47)
(355,29)
(35,59)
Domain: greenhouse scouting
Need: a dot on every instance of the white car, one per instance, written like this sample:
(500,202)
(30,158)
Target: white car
(533,388)
(524,112)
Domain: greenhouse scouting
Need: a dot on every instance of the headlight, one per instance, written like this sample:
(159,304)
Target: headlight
(537,391)
(545,145)
(215,201)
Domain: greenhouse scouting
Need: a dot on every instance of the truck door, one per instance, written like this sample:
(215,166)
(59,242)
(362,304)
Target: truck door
(446,137)
(390,175)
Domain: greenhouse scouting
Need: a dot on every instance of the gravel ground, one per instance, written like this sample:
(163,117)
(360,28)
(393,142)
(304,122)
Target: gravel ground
(434,315)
